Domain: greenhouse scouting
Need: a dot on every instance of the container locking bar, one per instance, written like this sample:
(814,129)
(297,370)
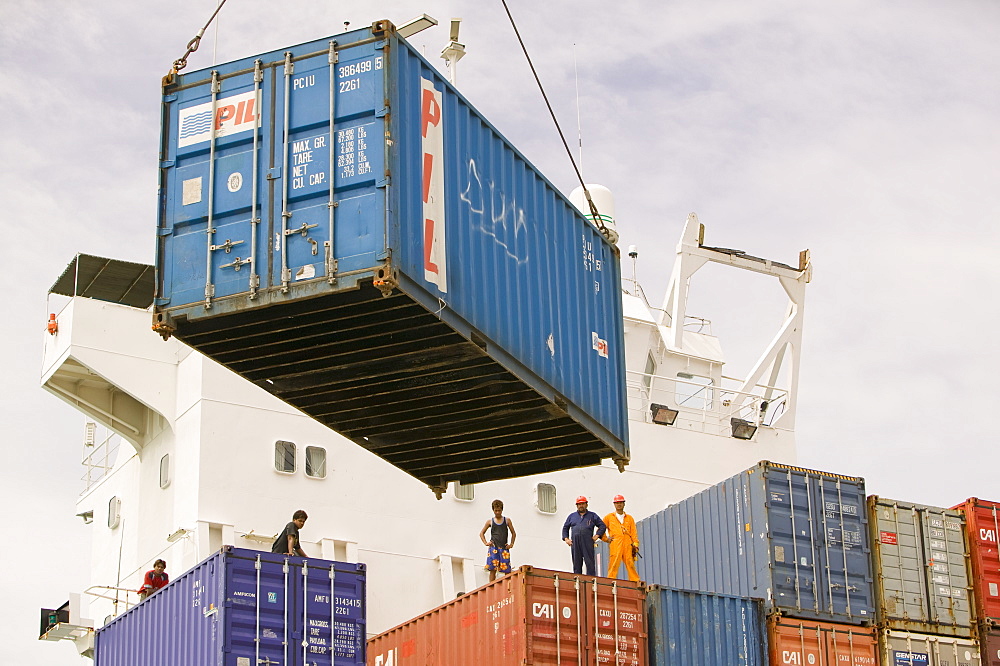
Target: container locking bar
(286,272)
(209,230)
(258,76)
(329,256)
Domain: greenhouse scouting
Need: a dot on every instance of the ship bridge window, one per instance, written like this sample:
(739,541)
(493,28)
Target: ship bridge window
(284,456)
(545,498)
(316,462)
(648,373)
(694,391)
(465,492)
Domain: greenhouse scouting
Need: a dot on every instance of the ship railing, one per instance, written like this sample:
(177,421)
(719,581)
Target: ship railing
(99,459)
(131,597)
(702,405)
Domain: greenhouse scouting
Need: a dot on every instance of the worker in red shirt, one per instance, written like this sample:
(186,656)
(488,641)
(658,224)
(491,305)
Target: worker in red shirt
(154,579)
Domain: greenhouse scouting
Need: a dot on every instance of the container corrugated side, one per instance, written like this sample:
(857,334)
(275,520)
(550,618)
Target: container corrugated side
(796,538)
(905,648)
(245,607)
(921,562)
(530,616)
(696,628)
(982,527)
(357,239)
(801,642)
(990,648)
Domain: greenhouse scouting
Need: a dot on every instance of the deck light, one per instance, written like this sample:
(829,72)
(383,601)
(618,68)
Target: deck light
(662,414)
(413,26)
(743,429)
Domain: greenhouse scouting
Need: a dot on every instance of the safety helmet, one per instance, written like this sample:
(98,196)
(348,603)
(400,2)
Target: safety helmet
(581,499)
(619,498)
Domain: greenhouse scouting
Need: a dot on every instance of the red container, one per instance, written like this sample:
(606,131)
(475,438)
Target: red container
(982,519)
(531,616)
(989,648)
(803,642)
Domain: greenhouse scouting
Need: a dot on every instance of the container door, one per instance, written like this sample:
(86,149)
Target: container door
(851,646)
(911,649)
(984,526)
(946,555)
(617,623)
(790,513)
(557,627)
(900,562)
(216,194)
(845,584)
(796,642)
(991,649)
(259,611)
(329,201)
(330,605)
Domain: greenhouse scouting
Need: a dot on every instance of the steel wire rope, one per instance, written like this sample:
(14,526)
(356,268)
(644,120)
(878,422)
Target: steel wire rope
(195,42)
(597,219)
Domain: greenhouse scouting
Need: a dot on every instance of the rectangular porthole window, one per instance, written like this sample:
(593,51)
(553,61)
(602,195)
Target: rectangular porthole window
(284,456)
(466,492)
(545,498)
(165,470)
(316,462)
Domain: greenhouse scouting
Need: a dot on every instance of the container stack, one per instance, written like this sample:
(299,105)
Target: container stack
(922,584)
(531,616)
(982,521)
(796,539)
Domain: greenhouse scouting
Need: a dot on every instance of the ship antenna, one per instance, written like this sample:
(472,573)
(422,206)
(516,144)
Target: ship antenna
(579,122)
(595,215)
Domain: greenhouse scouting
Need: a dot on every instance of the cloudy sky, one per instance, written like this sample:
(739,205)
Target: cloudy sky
(866,131)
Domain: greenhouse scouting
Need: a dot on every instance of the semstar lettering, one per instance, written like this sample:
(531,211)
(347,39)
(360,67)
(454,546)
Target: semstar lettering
(432,143)
(233,115)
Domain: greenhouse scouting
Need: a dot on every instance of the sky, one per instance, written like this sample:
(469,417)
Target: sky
(865,131)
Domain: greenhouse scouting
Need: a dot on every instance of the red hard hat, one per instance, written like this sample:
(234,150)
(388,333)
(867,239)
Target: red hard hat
(619,498)
(580,499)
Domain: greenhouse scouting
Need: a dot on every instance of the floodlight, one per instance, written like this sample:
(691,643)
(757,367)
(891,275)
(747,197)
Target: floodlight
(662,414)
(743,429)
(413,26)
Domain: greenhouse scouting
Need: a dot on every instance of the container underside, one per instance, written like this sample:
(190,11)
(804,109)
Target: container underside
(395,379)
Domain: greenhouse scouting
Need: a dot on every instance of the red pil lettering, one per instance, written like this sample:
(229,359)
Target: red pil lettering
(223,114)
(239,112)
(428,172)
(430,112)
(248,115)
(428,245)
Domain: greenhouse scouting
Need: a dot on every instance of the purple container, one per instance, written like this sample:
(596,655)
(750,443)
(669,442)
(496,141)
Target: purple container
(244,607)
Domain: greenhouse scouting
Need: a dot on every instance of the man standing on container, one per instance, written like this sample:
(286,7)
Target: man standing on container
(583,523)
(287,542)
(500,543)
(624,540)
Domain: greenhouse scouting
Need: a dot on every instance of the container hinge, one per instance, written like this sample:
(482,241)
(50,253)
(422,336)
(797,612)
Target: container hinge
(166,164)
(286,277)
(289,65)
(227,246)
(208,612)
(209,295)
(164,231)
(334,56)
(383,182)
(383,112)
(172,97)
(301,230)
(161,301)
(237,263)
(274,173)
(258,71)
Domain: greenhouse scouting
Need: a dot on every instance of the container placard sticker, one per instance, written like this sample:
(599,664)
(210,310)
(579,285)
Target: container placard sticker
(233,115)
(600,345)
(888,537)
(900,658)
(432,180)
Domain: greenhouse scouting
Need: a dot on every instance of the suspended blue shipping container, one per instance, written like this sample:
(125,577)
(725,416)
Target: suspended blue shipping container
(243,607)
(796,538)
(340,226)
(702,629)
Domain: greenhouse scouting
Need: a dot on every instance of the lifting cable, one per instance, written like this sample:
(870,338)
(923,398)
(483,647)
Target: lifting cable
(193,45)
(597,219)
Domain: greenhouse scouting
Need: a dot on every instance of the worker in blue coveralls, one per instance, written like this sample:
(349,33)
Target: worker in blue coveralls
(583,523)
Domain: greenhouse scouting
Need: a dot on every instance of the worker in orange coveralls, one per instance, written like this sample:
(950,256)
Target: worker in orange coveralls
(624,540)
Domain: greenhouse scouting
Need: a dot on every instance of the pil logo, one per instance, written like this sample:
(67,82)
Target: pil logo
(987,535)
(232,115)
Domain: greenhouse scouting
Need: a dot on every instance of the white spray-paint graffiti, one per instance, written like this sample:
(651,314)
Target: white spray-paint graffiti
(504,220)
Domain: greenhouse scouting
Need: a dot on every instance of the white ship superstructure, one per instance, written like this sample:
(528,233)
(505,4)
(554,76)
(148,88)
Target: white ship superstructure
(205,458)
